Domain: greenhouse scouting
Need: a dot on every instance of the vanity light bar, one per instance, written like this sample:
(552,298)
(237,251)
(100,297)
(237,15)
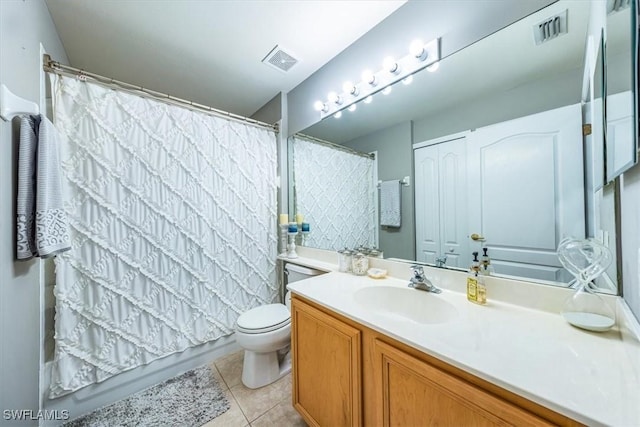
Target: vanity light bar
(375,82)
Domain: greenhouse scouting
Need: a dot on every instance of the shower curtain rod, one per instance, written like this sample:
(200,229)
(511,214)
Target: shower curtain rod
(51,66)
(336,146)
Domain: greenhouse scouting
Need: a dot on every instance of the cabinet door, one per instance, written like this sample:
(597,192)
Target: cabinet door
(326,368)
(411,392)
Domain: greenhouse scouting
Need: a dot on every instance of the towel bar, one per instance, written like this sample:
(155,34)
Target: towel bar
(406,181)
(12,105)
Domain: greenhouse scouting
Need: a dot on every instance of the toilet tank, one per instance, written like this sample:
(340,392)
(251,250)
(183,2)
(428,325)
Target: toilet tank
(294,272)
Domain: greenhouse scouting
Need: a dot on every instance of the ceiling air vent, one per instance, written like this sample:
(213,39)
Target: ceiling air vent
(550,28)
(280,59)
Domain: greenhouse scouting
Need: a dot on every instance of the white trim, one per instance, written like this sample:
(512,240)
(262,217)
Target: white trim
(627,322)
(42,306)
(376,233)
(442,139)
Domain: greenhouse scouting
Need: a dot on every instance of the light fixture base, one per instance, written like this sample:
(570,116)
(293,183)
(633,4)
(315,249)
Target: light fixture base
(406,66)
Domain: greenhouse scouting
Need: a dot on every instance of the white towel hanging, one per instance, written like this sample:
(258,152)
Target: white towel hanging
(390,202)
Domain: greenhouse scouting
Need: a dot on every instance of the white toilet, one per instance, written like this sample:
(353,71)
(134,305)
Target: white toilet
(265,335)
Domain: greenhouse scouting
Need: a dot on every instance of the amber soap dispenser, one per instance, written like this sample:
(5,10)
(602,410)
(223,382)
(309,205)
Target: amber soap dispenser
(476,290)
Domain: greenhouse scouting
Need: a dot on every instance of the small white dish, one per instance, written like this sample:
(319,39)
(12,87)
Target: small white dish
(589,321)
(377,273)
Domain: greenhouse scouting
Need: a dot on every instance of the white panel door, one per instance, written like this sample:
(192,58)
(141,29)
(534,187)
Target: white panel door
(453,202)
(526,190)
(427,204)
(440,197)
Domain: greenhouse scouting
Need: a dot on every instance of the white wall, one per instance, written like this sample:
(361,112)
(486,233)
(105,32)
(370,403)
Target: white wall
(23,26)
(533,97)
(271,112)
(630,236)
(395,161)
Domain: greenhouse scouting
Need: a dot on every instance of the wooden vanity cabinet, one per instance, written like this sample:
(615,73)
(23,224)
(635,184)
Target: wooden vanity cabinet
(345,374)
(326,367)
(414,393)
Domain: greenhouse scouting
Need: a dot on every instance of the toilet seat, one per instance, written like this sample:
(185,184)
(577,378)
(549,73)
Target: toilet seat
(265,318)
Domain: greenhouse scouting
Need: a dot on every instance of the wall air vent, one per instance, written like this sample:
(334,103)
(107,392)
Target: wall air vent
(551,28)
(280,59)
(617,5)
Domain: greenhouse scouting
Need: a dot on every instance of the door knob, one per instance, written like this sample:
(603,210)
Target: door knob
(476,237)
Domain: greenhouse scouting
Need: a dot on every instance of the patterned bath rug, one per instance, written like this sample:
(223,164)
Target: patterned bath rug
(190,399)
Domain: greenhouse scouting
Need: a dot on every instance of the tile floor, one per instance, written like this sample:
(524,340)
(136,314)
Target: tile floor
(264,407)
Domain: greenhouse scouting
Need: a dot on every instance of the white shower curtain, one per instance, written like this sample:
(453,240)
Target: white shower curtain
(334,190)
(172,221)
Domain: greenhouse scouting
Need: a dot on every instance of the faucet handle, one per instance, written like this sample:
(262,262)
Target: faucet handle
(418,270)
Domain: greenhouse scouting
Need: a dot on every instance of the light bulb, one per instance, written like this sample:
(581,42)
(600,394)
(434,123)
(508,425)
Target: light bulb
(338,114)
(334,97)
(407,80)
(352,107)
(320,106)
(368,99)
(350,88)
(369,78)
(433,67)
(390,65)
(416,48)
(386,90)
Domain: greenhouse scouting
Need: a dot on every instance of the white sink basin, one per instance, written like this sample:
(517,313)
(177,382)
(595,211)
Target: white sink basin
(406,304)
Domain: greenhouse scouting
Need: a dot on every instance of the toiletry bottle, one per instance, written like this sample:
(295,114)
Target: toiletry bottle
(472,279)
(486,268)
(476,290)
(481,290)
(472,287)
(475,264)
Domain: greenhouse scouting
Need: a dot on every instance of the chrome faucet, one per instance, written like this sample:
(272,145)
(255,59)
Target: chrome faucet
(420,282)
(441,261)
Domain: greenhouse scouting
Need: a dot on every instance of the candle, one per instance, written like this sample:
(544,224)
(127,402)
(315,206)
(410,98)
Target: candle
(284,218)
(299,218)
(293,227)
(305,227)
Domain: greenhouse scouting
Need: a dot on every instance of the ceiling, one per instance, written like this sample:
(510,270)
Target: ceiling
(210,51)
(505,60)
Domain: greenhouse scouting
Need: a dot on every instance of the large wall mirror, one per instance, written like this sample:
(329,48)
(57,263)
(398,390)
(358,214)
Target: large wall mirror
(487,151)
(620,130)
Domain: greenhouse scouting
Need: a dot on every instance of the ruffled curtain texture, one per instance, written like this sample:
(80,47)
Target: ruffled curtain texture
(172,225)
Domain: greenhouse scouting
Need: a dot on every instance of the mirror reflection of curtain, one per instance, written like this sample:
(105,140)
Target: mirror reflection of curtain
(334,190)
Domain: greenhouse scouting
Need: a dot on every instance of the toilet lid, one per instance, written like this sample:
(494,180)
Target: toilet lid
(265,318)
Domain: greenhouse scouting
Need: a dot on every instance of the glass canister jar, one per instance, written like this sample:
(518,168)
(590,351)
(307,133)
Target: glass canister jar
(359,264)
(375,253)
(344,260)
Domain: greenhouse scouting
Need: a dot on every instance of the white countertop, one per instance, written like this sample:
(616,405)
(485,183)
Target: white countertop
(593,378)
